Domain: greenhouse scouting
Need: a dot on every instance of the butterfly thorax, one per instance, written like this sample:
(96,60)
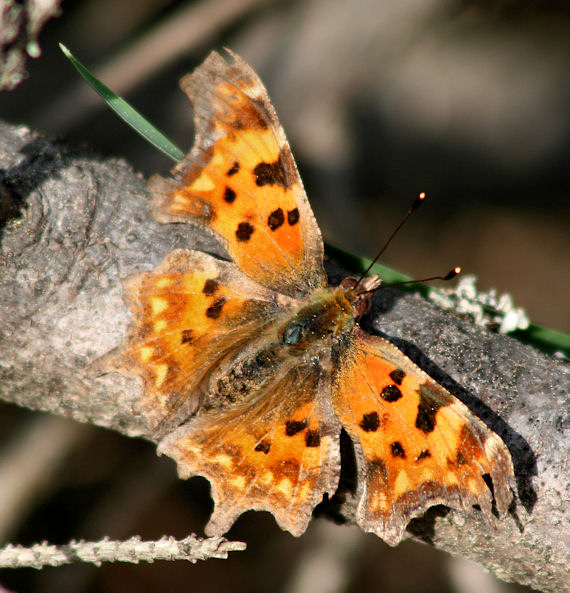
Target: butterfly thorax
(325,314)
(298,339)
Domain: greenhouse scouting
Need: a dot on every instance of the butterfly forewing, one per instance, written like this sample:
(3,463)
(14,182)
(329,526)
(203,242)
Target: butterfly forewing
(416,444)
(240,180)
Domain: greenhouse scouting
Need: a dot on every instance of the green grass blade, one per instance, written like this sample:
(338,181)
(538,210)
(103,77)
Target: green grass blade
(126,112)
(548,340)
(360,265)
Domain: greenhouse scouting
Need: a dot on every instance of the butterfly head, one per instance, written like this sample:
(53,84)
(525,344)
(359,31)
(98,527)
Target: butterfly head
(359,292)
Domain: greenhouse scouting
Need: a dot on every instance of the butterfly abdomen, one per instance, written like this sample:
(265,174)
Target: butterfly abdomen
(246,373)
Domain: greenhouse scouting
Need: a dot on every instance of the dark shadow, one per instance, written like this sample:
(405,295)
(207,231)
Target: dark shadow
(11,203)
(336,507)
(423,528)
(44,159)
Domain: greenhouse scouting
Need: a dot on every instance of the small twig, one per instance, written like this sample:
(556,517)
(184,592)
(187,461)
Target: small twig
(133,550)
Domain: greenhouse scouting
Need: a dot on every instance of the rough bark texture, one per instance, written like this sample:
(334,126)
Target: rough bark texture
(72,226)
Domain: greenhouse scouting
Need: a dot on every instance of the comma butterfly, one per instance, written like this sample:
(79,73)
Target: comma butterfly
(252,367)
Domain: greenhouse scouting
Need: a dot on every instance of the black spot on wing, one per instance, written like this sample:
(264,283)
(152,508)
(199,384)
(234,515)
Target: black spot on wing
(293,216)
(244,231)
(391,393)
(215,309)
(430,402)
(229,195)
(397,375)
(397,450)
(274,173)
(233,169)
(210,287)
(187,336)
(276,219)
(263,447)
(292,427)
(370,422)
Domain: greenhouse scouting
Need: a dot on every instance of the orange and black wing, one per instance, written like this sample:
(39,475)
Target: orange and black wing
(416,444)
(241,182)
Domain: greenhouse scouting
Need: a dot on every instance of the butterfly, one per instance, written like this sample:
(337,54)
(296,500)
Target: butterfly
(252,366)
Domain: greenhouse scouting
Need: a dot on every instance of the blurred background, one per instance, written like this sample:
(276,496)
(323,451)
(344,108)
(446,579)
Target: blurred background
(465,100)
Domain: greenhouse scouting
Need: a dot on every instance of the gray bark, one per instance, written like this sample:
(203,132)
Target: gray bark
(73,225)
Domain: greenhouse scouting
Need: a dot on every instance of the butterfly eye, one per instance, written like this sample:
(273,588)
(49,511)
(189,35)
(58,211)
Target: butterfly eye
(292,335)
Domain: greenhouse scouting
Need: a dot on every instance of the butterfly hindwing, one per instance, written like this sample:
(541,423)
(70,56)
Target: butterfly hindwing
(276,450)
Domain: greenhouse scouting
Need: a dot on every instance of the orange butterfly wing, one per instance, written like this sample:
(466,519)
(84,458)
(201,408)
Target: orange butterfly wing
(276,449)
(188,312)
(241,182)
(416,444)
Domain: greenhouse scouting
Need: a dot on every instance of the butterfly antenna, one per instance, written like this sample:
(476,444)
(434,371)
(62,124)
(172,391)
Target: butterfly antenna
(449,276)
(417,203)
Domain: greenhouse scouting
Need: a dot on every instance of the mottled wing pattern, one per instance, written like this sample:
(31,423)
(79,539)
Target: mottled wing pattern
(416,444)
(276,451)
(240,181)
(189,312)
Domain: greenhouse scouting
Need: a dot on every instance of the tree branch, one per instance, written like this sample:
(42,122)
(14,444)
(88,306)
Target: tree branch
(75,225)
(132,550)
